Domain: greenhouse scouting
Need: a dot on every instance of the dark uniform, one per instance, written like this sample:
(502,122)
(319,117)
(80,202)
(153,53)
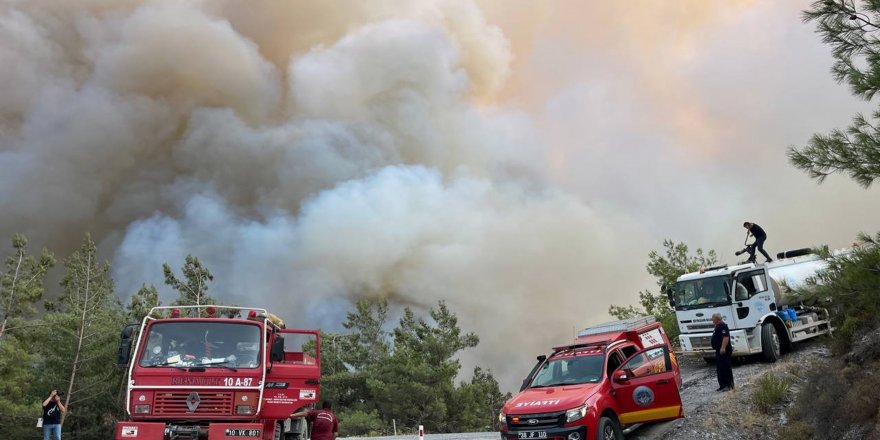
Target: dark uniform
(760,238)
(722,356)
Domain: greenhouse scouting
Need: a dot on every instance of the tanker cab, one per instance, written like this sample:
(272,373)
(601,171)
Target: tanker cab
(645,388)
(753,297)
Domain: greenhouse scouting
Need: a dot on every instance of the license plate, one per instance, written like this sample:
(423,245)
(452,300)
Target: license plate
(232,432)
(533,434)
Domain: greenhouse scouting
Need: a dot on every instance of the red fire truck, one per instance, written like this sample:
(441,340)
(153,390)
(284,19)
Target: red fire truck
(613,376)
(217,372)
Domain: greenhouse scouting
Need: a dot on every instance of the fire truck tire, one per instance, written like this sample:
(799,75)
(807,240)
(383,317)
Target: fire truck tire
(608,429)
(769,342)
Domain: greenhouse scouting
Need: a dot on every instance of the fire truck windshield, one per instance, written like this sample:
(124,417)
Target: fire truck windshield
(212,344)
(569,370)
(704,292)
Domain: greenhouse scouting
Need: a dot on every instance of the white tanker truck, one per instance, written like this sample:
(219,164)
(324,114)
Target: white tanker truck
(749,299)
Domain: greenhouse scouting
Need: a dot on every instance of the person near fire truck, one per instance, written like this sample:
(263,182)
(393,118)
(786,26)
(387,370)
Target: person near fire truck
(325,426)
(723,350)
(52,411)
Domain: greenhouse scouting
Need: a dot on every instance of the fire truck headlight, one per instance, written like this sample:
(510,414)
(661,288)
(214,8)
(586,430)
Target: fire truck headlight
(576,414)
(142,409)
(244,409)
(502,418)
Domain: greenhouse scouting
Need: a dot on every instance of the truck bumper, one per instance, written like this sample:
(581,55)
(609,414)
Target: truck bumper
(573,433)
(700,344)
(214,431)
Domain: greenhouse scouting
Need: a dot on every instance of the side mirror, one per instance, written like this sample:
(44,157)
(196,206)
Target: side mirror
(620,376)
(669,291)
(123,356)
(541,358)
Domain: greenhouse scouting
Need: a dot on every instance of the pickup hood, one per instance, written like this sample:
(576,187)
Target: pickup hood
(550,399)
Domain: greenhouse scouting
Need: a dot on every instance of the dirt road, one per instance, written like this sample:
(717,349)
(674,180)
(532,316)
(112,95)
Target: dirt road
(714,415)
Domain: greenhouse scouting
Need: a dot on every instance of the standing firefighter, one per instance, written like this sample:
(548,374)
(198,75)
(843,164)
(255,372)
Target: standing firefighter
(325,426)
(723,350)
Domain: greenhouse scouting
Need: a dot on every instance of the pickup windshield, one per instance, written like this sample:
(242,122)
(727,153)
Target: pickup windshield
(219,344)
(569,370)
(704,292)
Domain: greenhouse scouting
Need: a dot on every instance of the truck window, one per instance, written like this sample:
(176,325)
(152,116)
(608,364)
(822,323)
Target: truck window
(703,292)
(628,351)
(647,362)
(569,370)
(750,283)
(199,343)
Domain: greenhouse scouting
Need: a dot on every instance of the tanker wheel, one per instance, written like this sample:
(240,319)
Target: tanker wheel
(608,429)
(770,347)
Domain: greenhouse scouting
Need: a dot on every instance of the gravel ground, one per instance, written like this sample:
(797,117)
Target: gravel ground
(709,415)
(713,415)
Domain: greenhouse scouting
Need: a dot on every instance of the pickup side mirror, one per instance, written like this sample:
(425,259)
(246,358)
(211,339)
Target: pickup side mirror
(620,376)
(123,356)
(525,382)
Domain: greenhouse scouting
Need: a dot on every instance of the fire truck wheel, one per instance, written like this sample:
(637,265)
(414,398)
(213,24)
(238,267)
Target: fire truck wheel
(608,429)
(769,342)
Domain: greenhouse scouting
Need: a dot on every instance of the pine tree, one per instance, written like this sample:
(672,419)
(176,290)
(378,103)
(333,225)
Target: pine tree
(21,286)
(142,302)
(194,290)
(853,32)
(79,339)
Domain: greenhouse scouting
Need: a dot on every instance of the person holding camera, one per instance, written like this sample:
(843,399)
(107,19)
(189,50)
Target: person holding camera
(52,411)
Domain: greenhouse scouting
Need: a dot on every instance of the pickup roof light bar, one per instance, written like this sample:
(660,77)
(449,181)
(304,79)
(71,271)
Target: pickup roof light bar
(623,325)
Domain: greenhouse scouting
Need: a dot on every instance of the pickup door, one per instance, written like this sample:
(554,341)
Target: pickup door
(645,388)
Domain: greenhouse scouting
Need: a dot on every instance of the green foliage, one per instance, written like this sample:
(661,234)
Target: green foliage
(838,400)
(19,407)
(78,341)
(770,390)
(194,289)
(357,422)
(141,302)
(21,285)
(666,268)
(852,285)
(853,32)
(407,374)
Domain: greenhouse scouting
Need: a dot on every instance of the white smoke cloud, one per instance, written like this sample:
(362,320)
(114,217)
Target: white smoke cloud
(353,156)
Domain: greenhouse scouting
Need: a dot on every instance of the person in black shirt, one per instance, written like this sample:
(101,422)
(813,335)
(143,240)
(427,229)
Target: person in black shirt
(723,350)
(52,411)
(760,238)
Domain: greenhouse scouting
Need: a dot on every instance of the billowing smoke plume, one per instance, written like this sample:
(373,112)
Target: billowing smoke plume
(309,156)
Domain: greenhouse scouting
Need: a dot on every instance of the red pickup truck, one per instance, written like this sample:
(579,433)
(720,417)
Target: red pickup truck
(613,376)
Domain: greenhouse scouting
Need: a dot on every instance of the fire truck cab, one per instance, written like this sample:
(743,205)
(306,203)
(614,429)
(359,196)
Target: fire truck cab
(217,372)
(613,376)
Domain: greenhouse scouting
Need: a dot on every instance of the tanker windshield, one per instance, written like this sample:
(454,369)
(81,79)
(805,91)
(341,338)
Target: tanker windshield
(704,292)
(220,344)
(569,370)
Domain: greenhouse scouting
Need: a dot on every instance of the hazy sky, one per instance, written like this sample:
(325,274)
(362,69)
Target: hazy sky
(517,159)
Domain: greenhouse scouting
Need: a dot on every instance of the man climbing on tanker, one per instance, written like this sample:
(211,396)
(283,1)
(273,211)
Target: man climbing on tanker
(760,237)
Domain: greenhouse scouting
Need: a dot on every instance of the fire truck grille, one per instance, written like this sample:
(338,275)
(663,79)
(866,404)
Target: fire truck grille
(536,421)
(207,403)
(701,342)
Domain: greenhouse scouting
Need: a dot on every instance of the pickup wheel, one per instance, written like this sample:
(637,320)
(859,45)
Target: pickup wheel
(769,342)
(608,429)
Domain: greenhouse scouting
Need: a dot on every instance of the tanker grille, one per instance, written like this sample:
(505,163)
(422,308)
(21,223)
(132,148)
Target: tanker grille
(210,403)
